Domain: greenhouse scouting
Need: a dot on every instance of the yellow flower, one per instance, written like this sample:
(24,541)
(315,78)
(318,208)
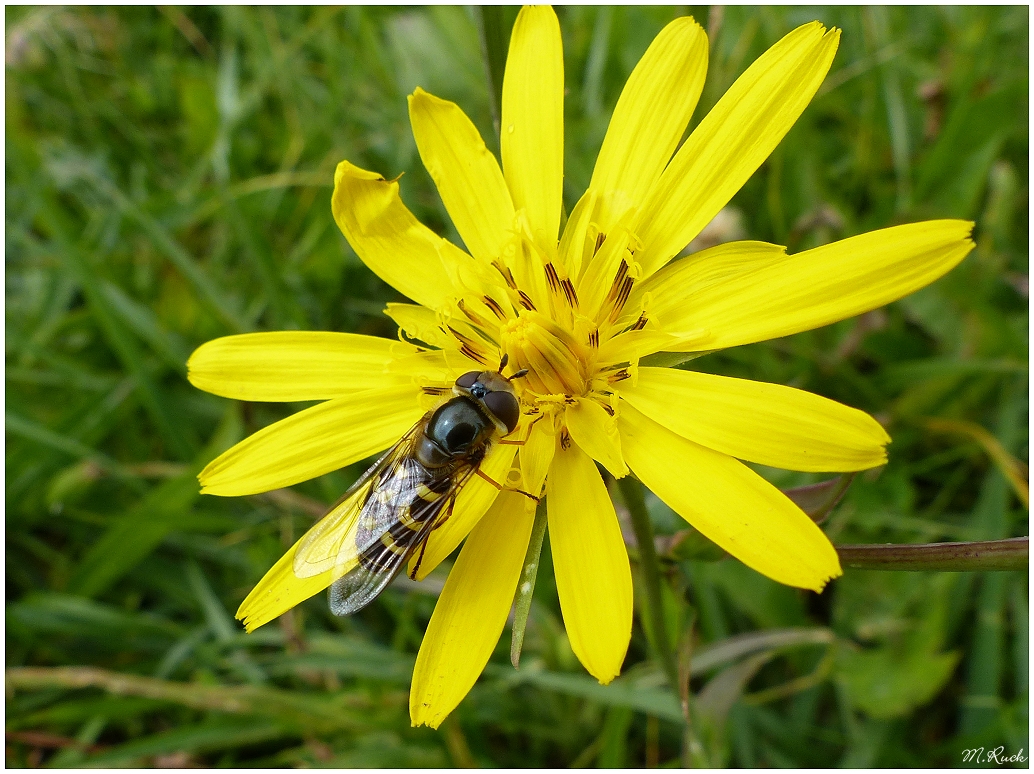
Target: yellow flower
(579,311)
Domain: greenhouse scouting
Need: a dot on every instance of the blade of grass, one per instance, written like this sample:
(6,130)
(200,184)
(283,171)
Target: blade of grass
(126,348)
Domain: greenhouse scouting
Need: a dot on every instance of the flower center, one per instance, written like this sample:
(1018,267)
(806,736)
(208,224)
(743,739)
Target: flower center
(557,364)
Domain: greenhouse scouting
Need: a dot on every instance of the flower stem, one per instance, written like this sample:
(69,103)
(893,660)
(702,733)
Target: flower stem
(493,33)
(526,586)
(1011,554)
(632,493)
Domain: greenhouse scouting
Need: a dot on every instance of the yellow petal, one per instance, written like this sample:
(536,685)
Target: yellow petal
(280,590)
(779,296)
(573,250)
(532,125)
(294,365)
(536,455)
(283,587)
(471,611)
(593,577)
(315,441)
(667,294)
(466,173)
(473,500)
(765,423)
(729,503)
(596,432)
(632,345)
(389,239)
(652,113)
(732,141)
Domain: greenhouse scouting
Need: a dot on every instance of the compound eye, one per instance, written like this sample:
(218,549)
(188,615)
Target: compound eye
(505,407)
(468,379)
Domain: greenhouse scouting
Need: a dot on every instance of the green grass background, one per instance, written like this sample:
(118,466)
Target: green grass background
(168,179)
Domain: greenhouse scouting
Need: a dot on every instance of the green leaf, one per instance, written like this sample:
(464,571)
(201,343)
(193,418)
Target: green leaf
(886,684)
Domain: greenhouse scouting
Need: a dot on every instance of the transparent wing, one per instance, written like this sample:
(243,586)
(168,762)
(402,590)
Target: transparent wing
(361,586)
(337,539)
(382,561)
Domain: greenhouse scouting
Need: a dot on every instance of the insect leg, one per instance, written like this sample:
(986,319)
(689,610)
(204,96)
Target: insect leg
(502,488)
(436,525)
(448,513)
(419,559)
(526,437)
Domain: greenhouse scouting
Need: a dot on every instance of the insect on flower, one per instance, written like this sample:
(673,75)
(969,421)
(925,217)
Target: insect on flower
(584,308)
(389,513)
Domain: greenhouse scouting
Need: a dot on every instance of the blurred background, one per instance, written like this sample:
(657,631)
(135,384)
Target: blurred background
(168,180)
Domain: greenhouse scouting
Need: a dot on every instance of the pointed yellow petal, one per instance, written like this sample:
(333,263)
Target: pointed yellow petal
(765,423)
(389,239)
(779,296)
(732,141)
(532,131)
(652,113)
(283,587)
(315,441)
(471,504)
(729,503)
(593,577)
(280,590)
(294,365)
(596,432)
(471,611)
(466,173)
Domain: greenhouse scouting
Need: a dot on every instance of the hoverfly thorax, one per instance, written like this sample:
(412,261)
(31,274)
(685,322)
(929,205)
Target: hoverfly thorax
(484,404)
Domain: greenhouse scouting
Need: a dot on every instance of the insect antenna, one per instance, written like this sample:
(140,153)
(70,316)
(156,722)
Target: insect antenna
(523,372)
(503,361)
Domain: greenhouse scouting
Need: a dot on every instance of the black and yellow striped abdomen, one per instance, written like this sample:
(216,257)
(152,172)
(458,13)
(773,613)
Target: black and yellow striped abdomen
(426,501)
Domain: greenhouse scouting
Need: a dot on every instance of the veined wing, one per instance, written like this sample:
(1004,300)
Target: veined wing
(381,561)
(336,540)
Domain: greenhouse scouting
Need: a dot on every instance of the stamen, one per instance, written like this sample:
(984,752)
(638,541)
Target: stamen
(565,439)
(477,357)
(569,292)
(469,347)
(552,278)
(476,319)
(525,301)
(507,274)
(554,358)
(620,290)
(494,306)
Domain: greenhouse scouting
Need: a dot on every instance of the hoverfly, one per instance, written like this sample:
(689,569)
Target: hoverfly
(389,513)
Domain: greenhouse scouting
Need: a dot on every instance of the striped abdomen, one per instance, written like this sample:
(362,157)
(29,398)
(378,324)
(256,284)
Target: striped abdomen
(426,499)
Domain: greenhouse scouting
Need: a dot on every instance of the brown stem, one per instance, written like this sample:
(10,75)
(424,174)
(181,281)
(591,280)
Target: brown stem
(1011,554)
